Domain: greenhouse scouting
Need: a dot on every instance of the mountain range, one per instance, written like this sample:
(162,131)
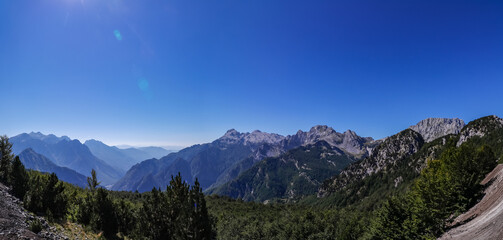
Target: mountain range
(34,161)
(222,160)
(68,153)
(110,166)
(256,166)
(124,158)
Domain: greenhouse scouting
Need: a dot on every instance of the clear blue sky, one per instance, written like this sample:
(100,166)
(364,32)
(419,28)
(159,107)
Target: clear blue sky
(183,72)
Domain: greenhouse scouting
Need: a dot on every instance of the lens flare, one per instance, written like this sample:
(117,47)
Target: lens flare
(118,35)
(143,84)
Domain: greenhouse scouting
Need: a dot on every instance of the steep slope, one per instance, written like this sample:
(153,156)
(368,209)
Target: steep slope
(433,128)
(384,157)
(225,158)
(291,175)
(38,162)
(404,156)
(349,142)
(112,155)
(206,163)
(68,153)
(485,219)
(142,174)
(124,158)
(488,128)
(15,220)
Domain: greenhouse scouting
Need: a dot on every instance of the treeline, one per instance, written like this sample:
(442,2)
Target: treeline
(178,213)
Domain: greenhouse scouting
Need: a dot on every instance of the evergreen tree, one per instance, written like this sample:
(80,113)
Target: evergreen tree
(5,158)
(18,178)
(125,217)
(200,222)
(179,213)
(104,217)
(46,196)
(92,181)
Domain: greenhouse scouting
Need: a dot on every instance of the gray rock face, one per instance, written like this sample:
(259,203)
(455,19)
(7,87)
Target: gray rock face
(348,141)
(256,137)
(272,145)
(433,128)
(479,128)
(391,151)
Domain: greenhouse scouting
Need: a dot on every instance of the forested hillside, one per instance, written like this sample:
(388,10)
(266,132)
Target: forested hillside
(438,181)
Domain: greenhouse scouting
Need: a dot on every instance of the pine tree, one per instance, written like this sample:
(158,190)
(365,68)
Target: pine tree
(200,223)
(5,158)
(105,218)
(92,181)
(18,178)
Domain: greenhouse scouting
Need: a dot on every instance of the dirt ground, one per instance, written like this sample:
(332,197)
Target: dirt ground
(485,219)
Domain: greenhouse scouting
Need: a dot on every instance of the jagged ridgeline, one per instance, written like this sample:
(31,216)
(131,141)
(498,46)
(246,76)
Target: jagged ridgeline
(234,153)
(396,162)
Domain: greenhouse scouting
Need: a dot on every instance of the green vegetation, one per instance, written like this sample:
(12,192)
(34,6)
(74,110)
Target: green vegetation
(35,226)
(250,220)
(370,192)
(446,188)
(293,175)
(438,183)
(178,213)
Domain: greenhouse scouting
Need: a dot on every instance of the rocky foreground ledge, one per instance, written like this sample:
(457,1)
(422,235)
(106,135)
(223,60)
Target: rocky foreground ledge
(15,220)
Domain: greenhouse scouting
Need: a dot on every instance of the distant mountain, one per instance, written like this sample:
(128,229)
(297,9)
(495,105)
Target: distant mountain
(38,162)
(111,155)
(154,152)
(225,158)
(67,153)
(349,142)
(433,128)
(291,175)
(124,158)
(51,138)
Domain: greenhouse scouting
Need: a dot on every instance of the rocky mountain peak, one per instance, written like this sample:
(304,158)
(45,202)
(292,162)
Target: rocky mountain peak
(321,130)
(350,134)
(231,133)
(349,141)
(255,137)
(262,137)
(433,128)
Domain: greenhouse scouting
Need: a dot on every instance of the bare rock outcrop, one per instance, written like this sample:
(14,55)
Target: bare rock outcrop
(433,128)
(388,154)
(479,128)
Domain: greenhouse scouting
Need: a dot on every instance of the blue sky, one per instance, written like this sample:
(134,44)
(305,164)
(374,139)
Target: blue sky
(183,72)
